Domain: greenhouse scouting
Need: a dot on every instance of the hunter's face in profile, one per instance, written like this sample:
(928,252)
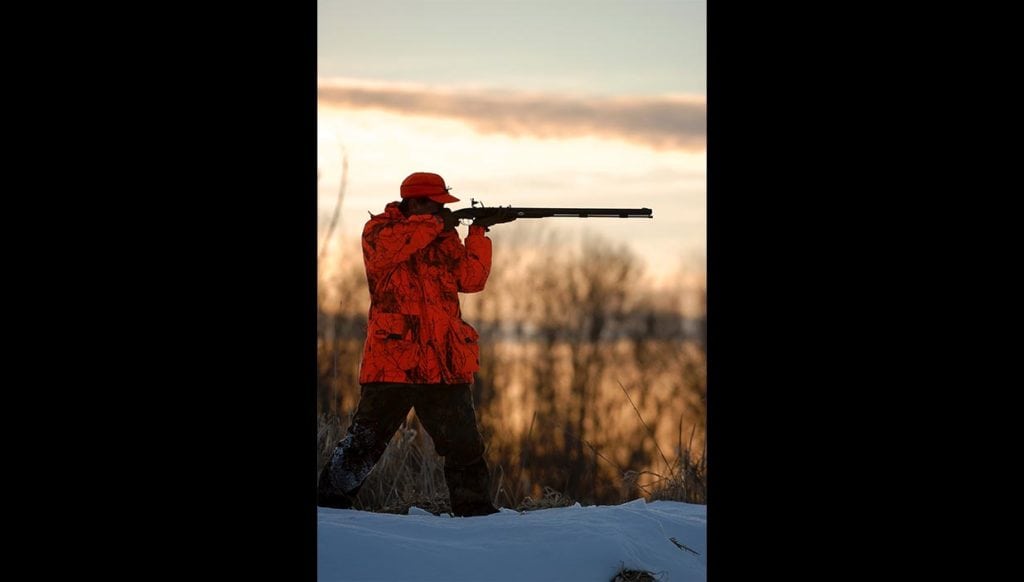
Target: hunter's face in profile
(424,206)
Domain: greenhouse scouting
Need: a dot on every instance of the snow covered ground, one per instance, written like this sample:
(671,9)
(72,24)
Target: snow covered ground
(564,544)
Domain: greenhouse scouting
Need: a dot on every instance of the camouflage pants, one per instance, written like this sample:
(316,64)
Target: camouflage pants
(446,412)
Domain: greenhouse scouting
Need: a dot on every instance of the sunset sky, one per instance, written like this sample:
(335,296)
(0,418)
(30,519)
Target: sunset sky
(528,103)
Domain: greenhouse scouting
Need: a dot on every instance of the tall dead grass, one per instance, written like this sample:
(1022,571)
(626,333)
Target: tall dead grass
(411,473)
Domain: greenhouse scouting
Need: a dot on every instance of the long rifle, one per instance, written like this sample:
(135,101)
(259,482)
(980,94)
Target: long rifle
(476,211)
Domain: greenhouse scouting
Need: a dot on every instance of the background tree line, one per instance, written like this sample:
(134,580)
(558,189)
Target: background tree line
(592,382)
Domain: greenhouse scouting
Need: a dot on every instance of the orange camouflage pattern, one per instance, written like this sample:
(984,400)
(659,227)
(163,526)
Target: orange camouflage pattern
(416,270)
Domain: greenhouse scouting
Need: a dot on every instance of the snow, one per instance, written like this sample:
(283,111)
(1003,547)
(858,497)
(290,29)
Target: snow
(565,544)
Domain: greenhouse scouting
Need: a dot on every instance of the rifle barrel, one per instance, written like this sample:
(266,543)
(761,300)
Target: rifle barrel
(530,212)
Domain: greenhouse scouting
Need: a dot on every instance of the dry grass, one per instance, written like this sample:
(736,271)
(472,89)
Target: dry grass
(328,433)
(686,480)
(410,473)
(624,575)
(550,499)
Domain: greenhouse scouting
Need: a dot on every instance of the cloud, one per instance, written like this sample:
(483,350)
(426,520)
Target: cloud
(657,122)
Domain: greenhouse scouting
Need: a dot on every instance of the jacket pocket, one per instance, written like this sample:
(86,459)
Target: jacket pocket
(396,342)
(389,326)
(469,335)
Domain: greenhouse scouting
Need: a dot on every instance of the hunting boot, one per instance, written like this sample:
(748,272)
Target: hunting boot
(329,494)
(468,489)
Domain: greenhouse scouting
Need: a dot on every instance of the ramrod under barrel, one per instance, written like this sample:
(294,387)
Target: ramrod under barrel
(526,212)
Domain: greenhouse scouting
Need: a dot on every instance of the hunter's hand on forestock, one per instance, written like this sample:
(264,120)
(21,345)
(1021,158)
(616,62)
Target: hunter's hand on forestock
(499,216)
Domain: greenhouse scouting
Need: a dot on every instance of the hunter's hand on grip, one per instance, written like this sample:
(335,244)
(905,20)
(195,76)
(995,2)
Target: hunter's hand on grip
(450,221)
(499,216)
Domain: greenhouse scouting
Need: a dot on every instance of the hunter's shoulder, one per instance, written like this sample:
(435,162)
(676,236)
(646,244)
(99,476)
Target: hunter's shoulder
(393,216)
(391,213)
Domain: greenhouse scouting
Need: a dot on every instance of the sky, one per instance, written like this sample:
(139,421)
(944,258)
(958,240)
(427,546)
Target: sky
(564,544)
(525,103)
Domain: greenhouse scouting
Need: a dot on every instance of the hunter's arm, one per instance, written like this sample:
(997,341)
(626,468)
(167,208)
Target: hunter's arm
(474,270)
(471,261)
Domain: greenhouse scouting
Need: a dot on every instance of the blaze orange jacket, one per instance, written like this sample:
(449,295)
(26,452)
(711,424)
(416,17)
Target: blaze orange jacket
(416,270)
